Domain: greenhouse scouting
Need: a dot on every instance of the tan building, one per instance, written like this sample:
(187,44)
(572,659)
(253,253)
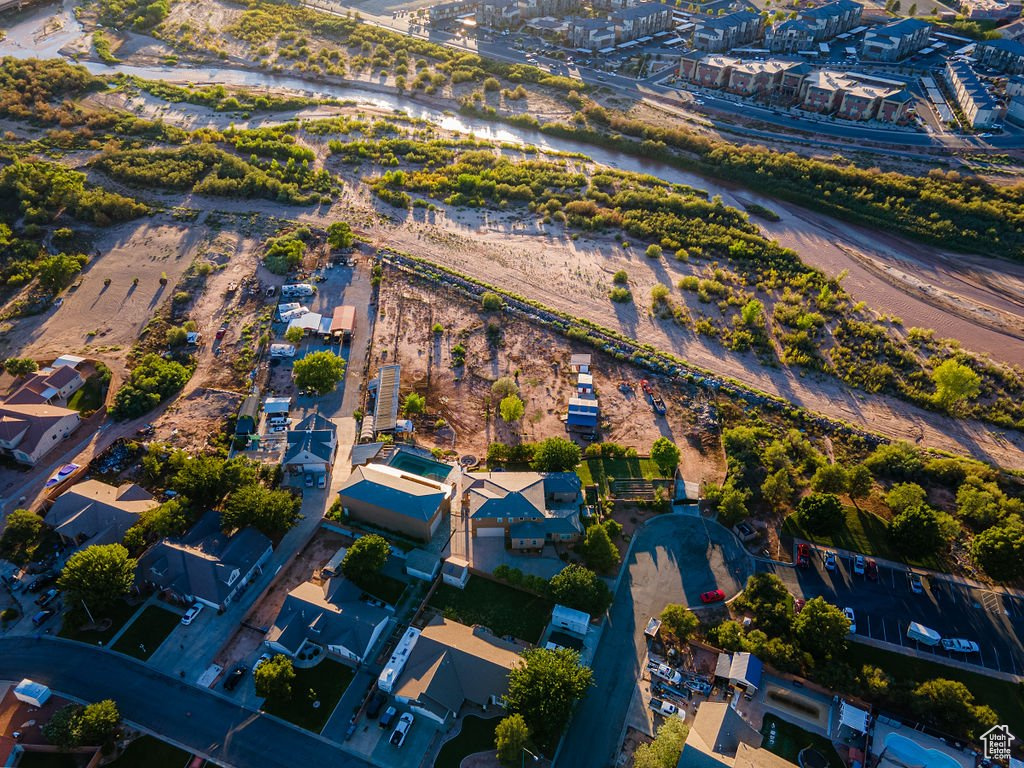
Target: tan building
(719,737)
(451,664)
(98,513)
(29,432)
(758,79)
(394,500)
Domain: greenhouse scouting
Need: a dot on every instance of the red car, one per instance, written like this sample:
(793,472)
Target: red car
(803,555)
(872,570)
(713,596)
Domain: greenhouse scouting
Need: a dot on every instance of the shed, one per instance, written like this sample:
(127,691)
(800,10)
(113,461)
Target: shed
(343,321)
(308,322)
(423,565)
(333,567)
(853,717)
(325,327)
(248,415)
(31,692)
(570,619)
(455,572)
(385,413)
(276,405)
(583,412)
(72,361)
(585,384)
(580,362)
(723,665)
(745,671)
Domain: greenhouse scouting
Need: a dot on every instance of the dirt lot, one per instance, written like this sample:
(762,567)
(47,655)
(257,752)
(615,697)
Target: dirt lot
(539,360)
(316,554)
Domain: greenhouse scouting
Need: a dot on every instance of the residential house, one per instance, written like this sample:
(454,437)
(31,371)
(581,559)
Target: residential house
(312,445)
(206,565)
(895,41)
(641,21)
(981,109)
(594,34)
(1004,55)
(720,738)
(96,513)
(722,33)
(29,432)
(498,14)
(450,664)
(990,10)
(50,386)
(394,500)
(333,616)
(529,508)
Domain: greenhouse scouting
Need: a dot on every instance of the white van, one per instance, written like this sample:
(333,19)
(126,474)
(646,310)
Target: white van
(923,634)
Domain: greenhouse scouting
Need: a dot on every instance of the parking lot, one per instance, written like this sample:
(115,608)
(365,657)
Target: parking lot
(884,608)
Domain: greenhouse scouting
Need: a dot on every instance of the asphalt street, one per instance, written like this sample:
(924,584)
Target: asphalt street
(195,718)
(674,559)
(883,609)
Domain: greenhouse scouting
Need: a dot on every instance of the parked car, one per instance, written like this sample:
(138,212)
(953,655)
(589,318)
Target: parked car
(959,645)
(42,617)
(871,569)
(309,479)
(803,555)
(848,612)
(321,481)
(191,613)
(666,673)
(388,717)
(47,598)
(713,596)
(859,565)
(401,730)
(373,708)
(231,681)
(263,657)
(41,581)
(830,561)
(665,708)
(916,584)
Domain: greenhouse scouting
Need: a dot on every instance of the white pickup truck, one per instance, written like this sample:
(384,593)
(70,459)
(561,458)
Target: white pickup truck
(666,708)
(666,673)
(959,645)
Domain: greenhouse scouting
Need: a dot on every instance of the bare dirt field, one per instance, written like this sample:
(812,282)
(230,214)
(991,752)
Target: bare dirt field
(537,359)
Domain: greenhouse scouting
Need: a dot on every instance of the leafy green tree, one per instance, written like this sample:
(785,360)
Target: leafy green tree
(769,600)
(728,636)
(20,366)
(949,705)
(621,277)
(169,519)
(22,531)
(904,496)
(511,408)
(822,630)
(319,372)
(176,336)
(1000,550)
(680,621)
(752,314)
(294,335)
(859,482)
(365,557)
(580,588)
(504,386)
(56,272)
(201,480)
(916,531)
(654,251)
(666,748)
(272,512)
(820,512)
(98,723)
(274,678)
(776,489)
(555,454)
(830,478)
(62,729)
(598,550)
(491,302)
(955,384)
(900,461)
(340,235)
(543,688)
(665,454)
(152,380)
(100,575)
(414,403)
(511,737)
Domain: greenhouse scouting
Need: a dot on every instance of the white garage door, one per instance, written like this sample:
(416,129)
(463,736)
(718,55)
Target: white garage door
(490,531)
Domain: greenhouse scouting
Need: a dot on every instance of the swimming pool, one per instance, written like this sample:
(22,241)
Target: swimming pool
(420,465)
(902,749)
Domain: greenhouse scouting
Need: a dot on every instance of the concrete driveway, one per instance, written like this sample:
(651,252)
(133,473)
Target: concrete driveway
(673,559)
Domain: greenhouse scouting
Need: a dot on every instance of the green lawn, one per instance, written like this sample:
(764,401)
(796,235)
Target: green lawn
(1006,698)
(789,739)
(89,397)
(149,752)
(145,634)
(118,613)
(325,682)
(598,471)
(383,587)
(477,735)
(503,609)
(863,532)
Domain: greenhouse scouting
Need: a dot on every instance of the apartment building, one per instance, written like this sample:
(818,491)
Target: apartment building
(1005,55)
(594,34)
(895,41)
(833,18)
(722,33)
(498,14)
(853,97)
(789,36)
(533,9)
(990,10)
(981,109)
(641,21)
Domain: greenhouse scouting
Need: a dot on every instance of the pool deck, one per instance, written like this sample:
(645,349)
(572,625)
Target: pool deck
(944,755)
